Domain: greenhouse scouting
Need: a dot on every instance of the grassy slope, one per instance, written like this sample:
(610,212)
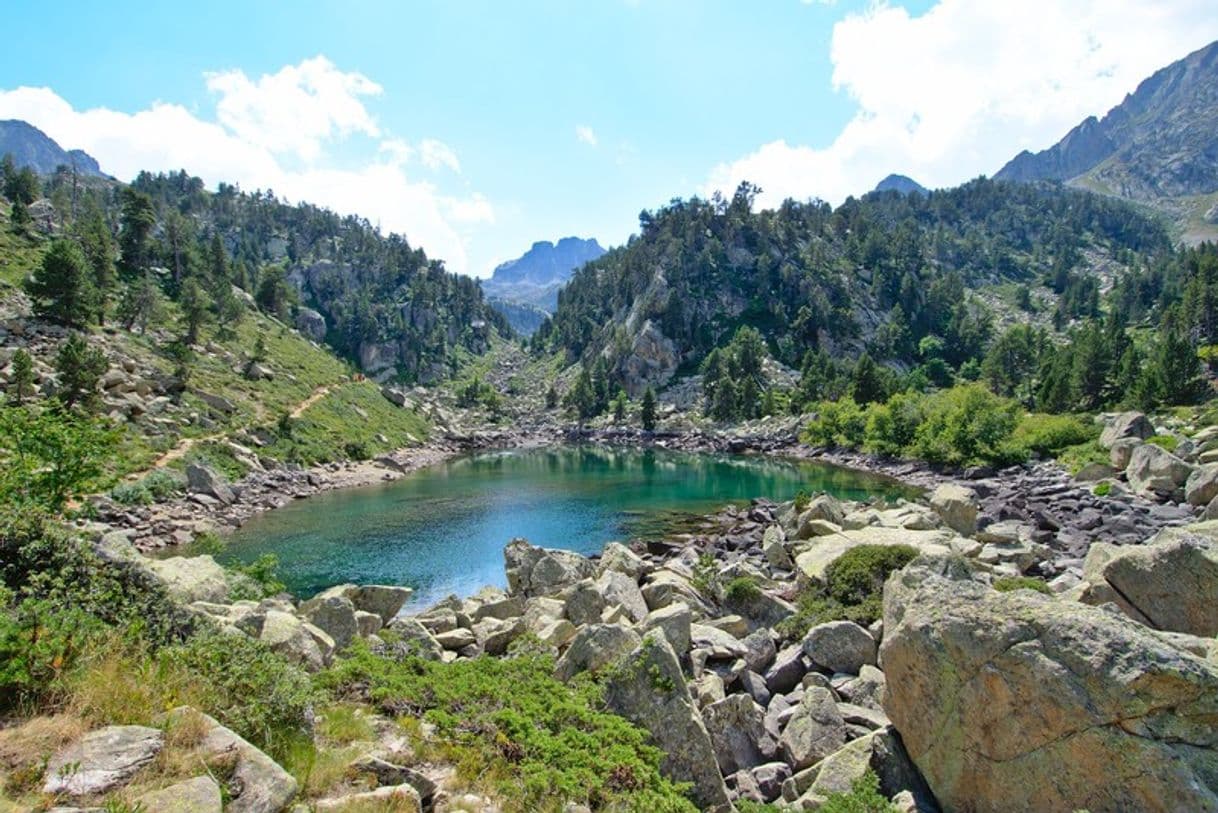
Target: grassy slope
(345,421)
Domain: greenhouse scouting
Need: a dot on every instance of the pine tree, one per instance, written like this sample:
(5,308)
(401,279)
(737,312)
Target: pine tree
(551,397)
(582,397)
(80,368)
(619,407)
(62,287)
(98,248)
(195,304)
(137,222)
(142,303)
(647,410)
(21,383)
(867,386)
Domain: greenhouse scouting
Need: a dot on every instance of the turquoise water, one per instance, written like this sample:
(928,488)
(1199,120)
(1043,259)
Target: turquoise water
(442,529)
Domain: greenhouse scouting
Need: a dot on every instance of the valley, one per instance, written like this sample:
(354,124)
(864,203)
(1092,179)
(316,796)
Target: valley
(900,505)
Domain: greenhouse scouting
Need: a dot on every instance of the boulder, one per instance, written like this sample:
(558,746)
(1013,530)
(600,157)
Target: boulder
(386,600)
(1121,452)
(1172,580)
(198,795)
(368,623)
(335,616)
(1202,485)
(1126,426)
(204,480)
(737,733)
(956,506)
(594,647)
(585,603)
(102,760)
(674,620)
(191,578)
(534,571)
(815,730)
(1092,472)
(774,548)
(389,797)
(557,633)
(812,563)
(416,639)
(1156,472)
(617,557)
(787,670)
(650,691)
(840,646)
(494,634)
(1019,701)
(618,588)
(760,651)
(391,774)
(880,752)
(284,633)
(310,323)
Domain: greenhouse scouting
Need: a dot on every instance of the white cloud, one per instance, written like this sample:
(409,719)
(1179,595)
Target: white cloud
(296,109)
(435,154)
(263,129)
(585,134)
(957,91)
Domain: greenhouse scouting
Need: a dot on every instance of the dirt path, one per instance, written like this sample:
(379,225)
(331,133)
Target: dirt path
(186,444)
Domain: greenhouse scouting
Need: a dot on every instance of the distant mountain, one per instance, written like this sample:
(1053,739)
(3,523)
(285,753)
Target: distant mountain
(30,147)
(1158,146)
(900,183)
(526,289)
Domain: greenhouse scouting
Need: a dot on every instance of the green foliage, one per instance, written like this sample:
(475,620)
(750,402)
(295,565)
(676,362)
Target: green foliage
(263,574)
(1006,584)
(647,410)
(733,377)
(21,382)
(62,287)
(1048,434)
(836,423)
(80,369)
(742,590)
(863,797)
(967,424)
(1102,489)
(249,688)
(479,393)
(48,457)
(853,588)
(509,723)
(1168,442)
(156,486)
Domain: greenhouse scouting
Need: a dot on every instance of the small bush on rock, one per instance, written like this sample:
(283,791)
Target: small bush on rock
(1006,584)
(853,590)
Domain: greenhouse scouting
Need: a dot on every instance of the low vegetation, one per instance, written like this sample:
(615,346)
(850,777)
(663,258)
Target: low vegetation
(853,589)
(511,726)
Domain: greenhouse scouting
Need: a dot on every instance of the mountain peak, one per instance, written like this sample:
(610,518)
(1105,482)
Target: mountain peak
(900,183)
(1158,142)
(30,147)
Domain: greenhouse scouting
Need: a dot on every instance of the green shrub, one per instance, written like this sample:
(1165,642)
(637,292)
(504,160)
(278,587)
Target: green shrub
(742,590)
(1049,434)
(263,574)
(853,589)
(1006,584)
(863,797)
(965,425)
(156,486)
(510,725)
(837,423)
(1168,442)
(245,686)
(801,501)
(38,641)
(1102,489)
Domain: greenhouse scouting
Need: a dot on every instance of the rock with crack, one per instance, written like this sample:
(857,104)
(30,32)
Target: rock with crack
(102,760)
(198,795)
(1019,701)
(534,571)
(648,689)
(595,647)
(815,730)
(737,732)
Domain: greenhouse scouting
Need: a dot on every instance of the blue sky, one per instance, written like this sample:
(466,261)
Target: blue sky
(478,127)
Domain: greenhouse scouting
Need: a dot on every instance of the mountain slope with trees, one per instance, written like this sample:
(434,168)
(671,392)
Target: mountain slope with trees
(1159,146)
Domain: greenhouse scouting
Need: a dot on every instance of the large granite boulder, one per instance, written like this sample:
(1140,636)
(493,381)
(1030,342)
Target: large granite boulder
(815,730)
(335,616)
(736,726)
(191,578)
(1156,472)
(840,646)
(201,479)
(812,563)
(881,752)
(258,783)
(290,636)
(312,324)
(1126,426)
(1019,701)
(102,760)
(1172,580)
(385,600)
(1202,485)
(198,795)
(594,647)
(956,505)
(649,689)
(534,571)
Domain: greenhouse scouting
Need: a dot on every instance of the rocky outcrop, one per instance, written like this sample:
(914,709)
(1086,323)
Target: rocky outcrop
(1017,701)
(651,362)
(534,571)
(1156,472)
(203,480)
(1126,426)
(649,690)
(102,760)
(956,506)
(312,324)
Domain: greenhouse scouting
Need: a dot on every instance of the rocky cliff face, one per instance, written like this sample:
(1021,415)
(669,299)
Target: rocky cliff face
(1161,141)
(526,289)
(900,183)
(30,147)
